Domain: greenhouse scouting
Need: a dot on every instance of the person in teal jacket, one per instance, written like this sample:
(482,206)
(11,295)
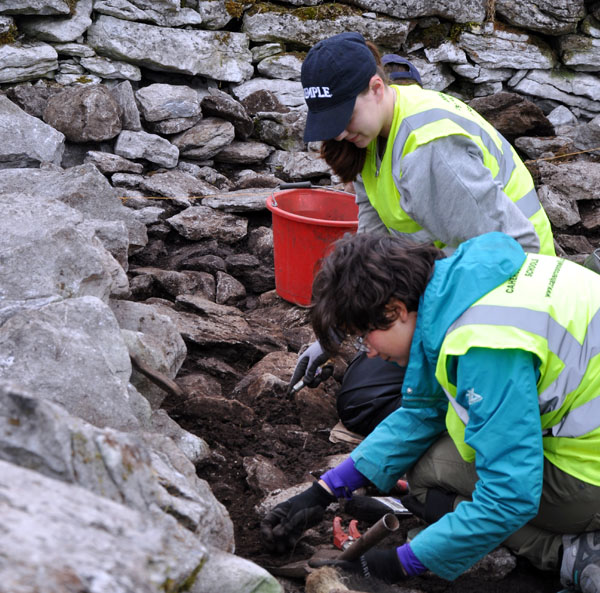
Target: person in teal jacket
(499,429)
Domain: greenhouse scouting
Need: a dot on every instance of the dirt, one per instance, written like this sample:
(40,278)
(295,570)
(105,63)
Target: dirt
(278,435)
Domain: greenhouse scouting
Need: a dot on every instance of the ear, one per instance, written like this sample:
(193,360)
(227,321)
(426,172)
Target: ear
(377,86)
(397,310)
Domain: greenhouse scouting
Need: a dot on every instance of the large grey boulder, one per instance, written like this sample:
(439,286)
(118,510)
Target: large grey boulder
(146,472)
(84,113)
(83,188)
(26,60)
(205,53)
(72,353)
(59,537)
(26,141)
(49,255)
(60,30)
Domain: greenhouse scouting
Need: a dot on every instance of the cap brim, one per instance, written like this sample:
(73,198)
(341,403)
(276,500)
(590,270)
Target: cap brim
(329,123)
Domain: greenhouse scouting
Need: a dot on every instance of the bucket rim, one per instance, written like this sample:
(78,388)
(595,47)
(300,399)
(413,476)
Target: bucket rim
(353,224)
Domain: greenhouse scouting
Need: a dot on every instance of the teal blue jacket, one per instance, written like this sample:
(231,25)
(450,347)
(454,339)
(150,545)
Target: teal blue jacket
(504,426)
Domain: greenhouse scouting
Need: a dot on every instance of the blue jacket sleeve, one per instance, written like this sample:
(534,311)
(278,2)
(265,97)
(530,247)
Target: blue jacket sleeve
(397,442)
(504,429)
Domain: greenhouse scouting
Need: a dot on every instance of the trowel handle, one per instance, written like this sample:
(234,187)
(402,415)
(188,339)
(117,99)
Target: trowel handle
(295,185)
(386,525)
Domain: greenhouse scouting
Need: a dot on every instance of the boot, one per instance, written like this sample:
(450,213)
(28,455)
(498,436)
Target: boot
(580,568)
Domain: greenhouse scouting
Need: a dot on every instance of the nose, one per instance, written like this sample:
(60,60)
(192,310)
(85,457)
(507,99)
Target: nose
(341,136)
(371,352)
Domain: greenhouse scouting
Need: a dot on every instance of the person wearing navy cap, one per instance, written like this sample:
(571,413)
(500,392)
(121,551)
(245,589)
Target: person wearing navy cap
(424,165)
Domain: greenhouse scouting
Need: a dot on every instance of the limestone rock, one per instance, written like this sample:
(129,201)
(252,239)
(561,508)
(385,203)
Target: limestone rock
(551,17)
(299,27)
(107,68)
(574,90)
(201,222)
(130,115)
(153,148)
(83,188)
(26,60)
(47,348)
(220,104)
(505,48)
(165,101)
(513,115)
(46,238)
(61,29)
(58,535)
(193,52)
(25,141)
(84,113)
(154,340)
(207,138)
(56,7)
(165,14)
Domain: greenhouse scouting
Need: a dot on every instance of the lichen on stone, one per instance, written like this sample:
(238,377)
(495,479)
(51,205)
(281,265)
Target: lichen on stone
(9,36)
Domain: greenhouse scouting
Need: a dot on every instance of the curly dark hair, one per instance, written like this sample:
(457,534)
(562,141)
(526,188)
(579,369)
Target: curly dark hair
(358,279)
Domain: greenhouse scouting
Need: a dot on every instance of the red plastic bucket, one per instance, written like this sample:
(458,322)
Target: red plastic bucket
(306,221)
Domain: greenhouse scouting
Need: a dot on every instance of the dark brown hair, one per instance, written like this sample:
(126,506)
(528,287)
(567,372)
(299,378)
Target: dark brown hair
(357,281)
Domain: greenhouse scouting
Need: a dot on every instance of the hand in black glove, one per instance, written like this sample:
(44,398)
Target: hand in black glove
(438,502)
(308,364)
(379,564)
(284,525)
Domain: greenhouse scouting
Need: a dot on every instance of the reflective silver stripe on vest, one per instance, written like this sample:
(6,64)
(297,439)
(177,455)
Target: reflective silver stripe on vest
(561,343)
(504,157)
(529,204)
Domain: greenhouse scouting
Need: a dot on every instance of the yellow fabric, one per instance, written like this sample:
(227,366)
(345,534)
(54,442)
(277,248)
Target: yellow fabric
(381,189)
(543,284)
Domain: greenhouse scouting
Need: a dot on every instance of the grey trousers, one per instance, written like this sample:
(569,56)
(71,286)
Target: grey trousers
(567,505)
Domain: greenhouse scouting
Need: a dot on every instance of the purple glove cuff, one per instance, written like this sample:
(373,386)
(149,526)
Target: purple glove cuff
(412,565)
(344,479)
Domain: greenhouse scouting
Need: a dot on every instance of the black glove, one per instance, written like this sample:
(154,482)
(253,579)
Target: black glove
(379,564)
(308,364)
(438,502)
(284,525)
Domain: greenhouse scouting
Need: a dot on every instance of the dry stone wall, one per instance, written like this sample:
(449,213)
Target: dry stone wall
(138,141)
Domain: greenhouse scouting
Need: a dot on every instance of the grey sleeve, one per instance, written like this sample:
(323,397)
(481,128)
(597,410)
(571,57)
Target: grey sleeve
(446,188)
(368,218)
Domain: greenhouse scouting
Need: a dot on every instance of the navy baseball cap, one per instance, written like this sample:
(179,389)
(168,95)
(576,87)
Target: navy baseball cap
(334,72)
(412,73)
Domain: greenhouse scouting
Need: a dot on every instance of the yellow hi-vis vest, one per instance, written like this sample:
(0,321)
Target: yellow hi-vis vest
(421,116)
(550,308)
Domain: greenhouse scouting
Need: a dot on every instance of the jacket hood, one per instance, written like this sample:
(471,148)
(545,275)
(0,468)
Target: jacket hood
(476,267)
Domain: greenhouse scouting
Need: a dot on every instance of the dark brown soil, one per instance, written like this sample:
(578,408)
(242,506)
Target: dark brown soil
(279,436)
